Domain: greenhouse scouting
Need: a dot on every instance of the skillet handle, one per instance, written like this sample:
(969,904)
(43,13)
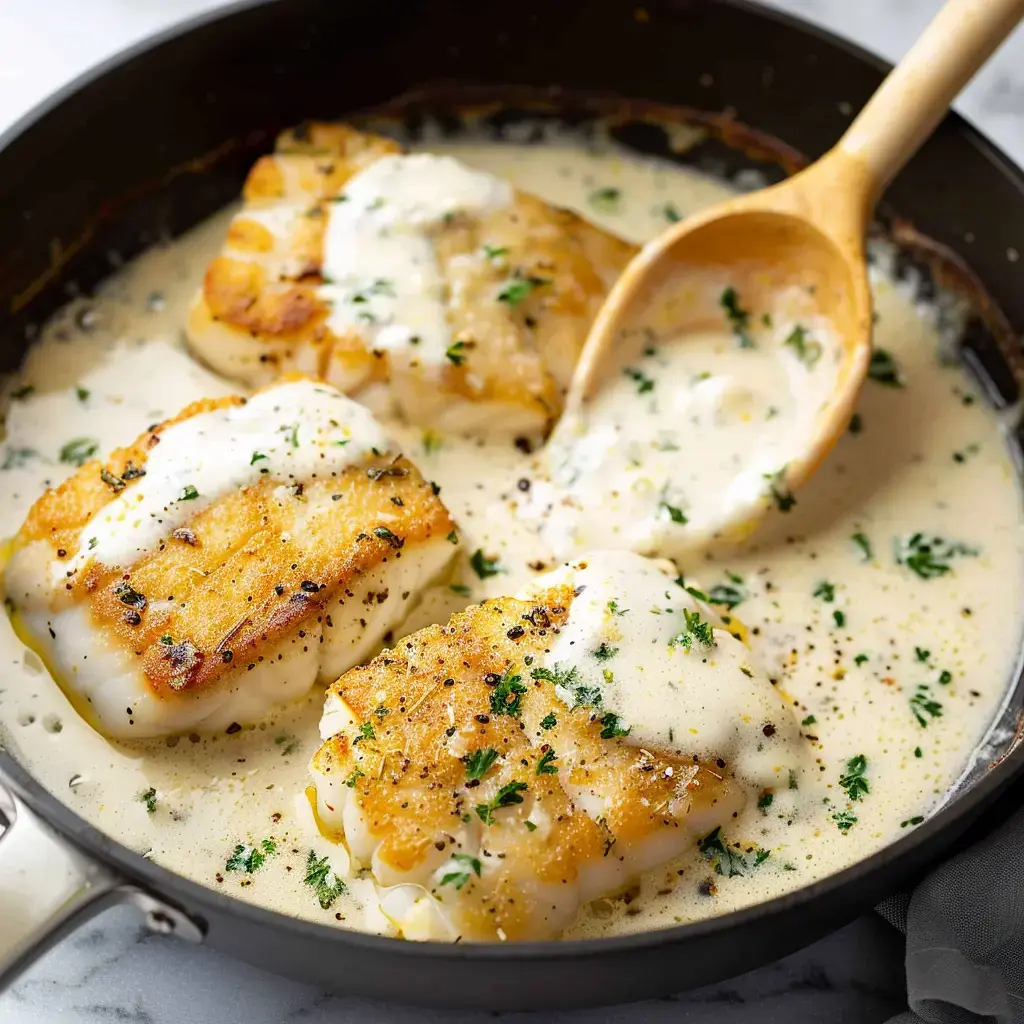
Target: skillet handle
(48,889)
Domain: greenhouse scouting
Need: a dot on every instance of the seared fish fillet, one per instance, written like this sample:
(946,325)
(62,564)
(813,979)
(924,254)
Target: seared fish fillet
(439,290)
(491,787)
(225,561)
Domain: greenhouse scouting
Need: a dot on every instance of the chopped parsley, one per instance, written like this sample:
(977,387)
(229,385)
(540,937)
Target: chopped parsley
(605,652)
(728,861)
(149,799)
(546,765)
(188,493)
(808,352)
(809,720)
(82,393)
(23,392)
(923,707)
(292,432)
(507,695)
(844,820)
(765,800)
(494,252)
(288,744)
(484,566)
(250,858)
(456,353)
(256,457)
(518,288)
(644,384)
(479,763)
(727,594)
(79,451)
(738,317)
(549,721)
(391,539)
(461,875)
(921,654)
(318,878)
(853,782)
(15,458)
(613,607)
(366,732)
(862,541)
(674,513)
(697,632)
(505,797)
(860,659)
(606,200)
(825,590)
(611,727)
(128,595)
(670,212)
(929,557)
(839,618)
(459,588)
(353,780)
(781,494)
(884,370)
(856,423)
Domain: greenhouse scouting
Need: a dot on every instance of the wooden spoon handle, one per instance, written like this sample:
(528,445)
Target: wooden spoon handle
(915,96)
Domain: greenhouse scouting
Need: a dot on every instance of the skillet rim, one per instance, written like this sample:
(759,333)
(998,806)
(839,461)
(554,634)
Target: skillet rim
(898,856)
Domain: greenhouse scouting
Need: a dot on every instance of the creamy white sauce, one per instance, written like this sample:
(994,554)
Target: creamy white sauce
(928,457)
(292,434)
(691,433)
(383,279)
(638,640)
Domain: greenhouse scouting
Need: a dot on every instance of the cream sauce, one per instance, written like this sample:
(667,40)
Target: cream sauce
(691,434)
(667,667)
(382,277)
(289,434)
(880,663)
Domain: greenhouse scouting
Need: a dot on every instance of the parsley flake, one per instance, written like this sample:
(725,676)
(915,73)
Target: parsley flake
(853,782)
(461,876)
(505,797)
(318,878)
(479,763)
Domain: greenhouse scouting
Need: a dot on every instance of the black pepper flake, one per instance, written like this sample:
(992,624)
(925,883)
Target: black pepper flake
(523,484)
(226,656)
(448,682)
(309,586)
(131,471)
(132,617)
(233,728)
(278,589)
(515,632)
(61,553)
(523,444)
(482,719)
(769,729)
(492,678)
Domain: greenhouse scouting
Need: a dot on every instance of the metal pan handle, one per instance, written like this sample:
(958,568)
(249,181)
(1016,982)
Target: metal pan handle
(48,889)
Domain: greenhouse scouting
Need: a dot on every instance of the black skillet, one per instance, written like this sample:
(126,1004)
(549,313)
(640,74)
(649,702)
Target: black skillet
(159,138)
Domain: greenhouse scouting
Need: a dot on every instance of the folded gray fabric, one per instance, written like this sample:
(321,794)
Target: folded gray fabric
(965,935)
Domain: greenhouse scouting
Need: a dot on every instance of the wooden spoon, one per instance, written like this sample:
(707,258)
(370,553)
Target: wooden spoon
(809,231)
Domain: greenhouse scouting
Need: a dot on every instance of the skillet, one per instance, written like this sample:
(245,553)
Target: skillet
(149,144)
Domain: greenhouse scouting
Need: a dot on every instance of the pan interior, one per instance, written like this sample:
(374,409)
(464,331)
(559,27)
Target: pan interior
(866,667)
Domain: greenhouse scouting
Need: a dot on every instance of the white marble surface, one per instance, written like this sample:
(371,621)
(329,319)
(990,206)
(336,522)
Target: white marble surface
(114,971)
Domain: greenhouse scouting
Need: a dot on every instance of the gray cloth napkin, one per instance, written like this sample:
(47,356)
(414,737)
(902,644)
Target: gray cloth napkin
(964,924)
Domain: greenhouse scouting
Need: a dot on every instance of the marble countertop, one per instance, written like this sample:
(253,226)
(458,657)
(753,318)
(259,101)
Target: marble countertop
(114,970)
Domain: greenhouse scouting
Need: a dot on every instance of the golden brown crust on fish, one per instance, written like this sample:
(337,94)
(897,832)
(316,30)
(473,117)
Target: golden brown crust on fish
(422,711)
(260,312)
(223,589)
